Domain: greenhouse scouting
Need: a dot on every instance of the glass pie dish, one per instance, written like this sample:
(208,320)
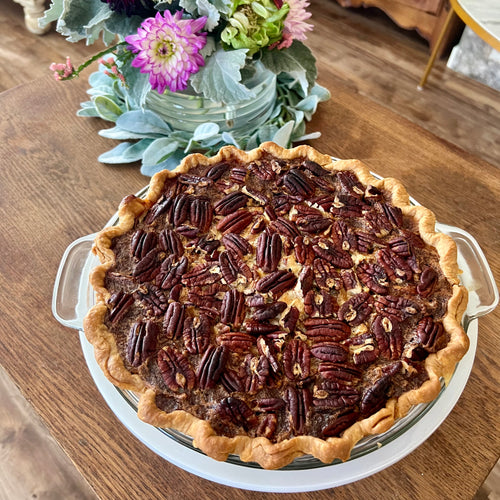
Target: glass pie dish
(73,296)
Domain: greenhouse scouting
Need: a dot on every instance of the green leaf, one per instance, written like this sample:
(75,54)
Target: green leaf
(119,134)
(203,8)
(205,131)
(88,112)
(309,105)
(322,93)
(83,19)
(297,58)
(107,109)
(282,136)
(169,164)
(159,150)
(209,47)
(126,152)
(51,14)
(143,122)
(228,138)
(219,79)
(121,24)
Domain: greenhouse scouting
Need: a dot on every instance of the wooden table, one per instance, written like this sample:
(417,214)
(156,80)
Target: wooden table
(53,191)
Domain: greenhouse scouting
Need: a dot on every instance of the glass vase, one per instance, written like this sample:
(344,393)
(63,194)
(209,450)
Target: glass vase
(187,110)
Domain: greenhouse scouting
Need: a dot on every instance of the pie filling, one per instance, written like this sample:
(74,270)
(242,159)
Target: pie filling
(275,298)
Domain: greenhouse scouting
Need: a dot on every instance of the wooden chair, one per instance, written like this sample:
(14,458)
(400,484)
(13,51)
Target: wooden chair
(482,16)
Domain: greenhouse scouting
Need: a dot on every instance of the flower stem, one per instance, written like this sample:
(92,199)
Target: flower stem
(94,58)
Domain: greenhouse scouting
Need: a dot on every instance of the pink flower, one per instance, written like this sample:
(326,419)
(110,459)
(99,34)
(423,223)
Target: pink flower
(168,49)
(295,25)
(62,71)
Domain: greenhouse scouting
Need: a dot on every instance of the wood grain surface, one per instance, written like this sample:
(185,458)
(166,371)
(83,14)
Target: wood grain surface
(53,191)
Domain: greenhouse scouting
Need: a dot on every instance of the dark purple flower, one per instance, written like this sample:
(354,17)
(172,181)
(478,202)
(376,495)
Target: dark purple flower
(132,7)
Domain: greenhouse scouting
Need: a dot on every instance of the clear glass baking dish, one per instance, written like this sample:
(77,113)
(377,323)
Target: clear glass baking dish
(73,297)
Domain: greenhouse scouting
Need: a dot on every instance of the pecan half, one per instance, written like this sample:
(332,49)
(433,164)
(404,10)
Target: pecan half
(427,281)
(276,282)
(142,242)
(398,308)
(268,254)
(430,334)
(230,203)
(356,309)
(149,266)
(291,318)
(268,350)
(171,274)
(268,425)
(173,322)
(201,213)
(203,274)
(256,373)
(217,171)
(235,222)
(142,342)
(330,351)
(336,256)
(153,299)
(327,329)
(374,396)
(262,170)
(395,266)
(299,404)
(176,370)
(314,168)
(298,183)
(236,244)
(339,372)
(233,308)
(259,328)
(313,224)
(296,360)
(211,366)
(196,333)
(180,209)
(389,337)
(161,207)
(236,341)
(237,412)
(119,303)
(340,423)
(350,183)
(284,227)
(303,252)
(373,276)
(270,404)
(269,311)
(170,243)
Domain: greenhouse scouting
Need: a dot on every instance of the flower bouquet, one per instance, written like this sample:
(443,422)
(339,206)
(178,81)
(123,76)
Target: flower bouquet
(185,76)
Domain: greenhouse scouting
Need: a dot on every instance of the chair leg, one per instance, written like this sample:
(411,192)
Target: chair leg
(436,48)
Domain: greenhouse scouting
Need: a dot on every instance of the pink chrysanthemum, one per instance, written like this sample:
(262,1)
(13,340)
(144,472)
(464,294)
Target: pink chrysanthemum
(295,23)
(167,48)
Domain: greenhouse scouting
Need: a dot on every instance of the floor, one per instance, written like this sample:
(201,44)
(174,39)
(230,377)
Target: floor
(375,58)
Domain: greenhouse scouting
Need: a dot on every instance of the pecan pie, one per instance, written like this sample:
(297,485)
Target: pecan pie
(275,303)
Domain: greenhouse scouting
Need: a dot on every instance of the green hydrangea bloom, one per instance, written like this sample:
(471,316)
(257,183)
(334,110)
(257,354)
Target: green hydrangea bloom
(253,25)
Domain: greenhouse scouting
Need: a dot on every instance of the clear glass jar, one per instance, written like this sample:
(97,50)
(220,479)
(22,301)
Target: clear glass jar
(186,110)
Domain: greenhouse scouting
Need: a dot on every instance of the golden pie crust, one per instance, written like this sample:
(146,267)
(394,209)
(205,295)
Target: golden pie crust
(438,364)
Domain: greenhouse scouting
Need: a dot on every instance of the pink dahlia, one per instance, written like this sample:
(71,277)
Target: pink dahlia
(295,25)
(167,48)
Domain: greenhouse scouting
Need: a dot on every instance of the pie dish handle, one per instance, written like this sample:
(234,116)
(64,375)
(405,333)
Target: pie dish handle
(477,276)
(70,297)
